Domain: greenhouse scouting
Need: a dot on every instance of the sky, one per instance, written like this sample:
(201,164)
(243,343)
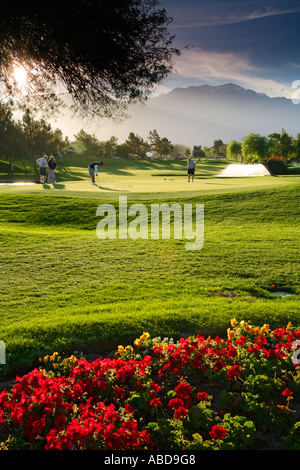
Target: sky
(254,43)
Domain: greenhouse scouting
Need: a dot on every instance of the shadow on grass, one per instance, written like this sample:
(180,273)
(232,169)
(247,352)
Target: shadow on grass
(54,186)
(110,189)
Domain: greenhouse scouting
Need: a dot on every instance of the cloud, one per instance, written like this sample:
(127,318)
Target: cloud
(215,68)
(221,13)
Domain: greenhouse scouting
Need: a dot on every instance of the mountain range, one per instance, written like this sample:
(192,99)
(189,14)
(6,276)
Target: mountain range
(198,115)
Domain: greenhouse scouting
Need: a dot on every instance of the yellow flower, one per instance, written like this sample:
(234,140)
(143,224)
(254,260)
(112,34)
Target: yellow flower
(264,329)
(233,322)
(138,343)
(289,325)
(144,336)
(230,333)
(121,349)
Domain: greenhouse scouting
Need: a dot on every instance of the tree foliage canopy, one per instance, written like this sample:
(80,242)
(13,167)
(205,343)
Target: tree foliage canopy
(105,54)
(234,150)
(254,147)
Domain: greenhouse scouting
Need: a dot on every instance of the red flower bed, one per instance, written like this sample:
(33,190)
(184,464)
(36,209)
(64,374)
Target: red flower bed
(197,393)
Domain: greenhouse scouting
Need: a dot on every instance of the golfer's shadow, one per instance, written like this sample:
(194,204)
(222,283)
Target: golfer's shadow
(109,189)
(54,186)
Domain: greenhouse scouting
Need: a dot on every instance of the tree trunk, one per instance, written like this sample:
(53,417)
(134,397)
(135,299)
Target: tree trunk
(34,158)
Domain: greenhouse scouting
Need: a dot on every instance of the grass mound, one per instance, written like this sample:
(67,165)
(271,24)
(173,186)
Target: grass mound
(64,289)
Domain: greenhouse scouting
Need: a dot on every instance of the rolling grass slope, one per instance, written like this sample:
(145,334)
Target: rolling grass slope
(64,289)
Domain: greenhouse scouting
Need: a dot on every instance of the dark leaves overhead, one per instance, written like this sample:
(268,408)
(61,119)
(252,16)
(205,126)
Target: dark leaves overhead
(104,53)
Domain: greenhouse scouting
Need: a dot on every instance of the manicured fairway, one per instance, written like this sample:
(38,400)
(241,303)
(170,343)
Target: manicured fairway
(144,178)
(64,289)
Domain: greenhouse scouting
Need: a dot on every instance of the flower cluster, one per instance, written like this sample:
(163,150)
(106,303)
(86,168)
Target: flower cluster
(195,393)
(278,157)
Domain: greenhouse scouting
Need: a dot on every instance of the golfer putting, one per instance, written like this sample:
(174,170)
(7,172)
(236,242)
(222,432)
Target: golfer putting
(93,170)
(42,163)
(191,166)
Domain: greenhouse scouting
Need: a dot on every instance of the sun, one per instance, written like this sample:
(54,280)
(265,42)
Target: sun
(20,76)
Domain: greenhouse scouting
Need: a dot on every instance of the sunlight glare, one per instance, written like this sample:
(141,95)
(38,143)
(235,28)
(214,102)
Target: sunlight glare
(20,76)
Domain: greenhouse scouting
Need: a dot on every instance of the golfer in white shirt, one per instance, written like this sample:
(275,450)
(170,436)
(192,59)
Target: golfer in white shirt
(42,162)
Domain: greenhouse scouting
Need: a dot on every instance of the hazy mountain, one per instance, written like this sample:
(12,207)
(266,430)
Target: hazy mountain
(200,114)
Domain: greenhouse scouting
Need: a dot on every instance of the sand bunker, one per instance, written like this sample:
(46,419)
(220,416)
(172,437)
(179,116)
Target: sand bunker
(245,170)
(20,183)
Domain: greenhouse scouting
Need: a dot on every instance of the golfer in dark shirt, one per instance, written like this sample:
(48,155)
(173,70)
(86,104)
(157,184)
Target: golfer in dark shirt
(93,170)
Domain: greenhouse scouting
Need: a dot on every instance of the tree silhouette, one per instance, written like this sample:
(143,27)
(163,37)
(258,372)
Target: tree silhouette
(105,54)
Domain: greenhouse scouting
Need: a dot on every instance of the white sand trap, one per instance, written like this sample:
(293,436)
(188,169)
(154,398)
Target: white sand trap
(21,183)
(245,170)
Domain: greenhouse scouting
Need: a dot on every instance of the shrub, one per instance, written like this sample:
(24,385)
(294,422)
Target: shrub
(276,165)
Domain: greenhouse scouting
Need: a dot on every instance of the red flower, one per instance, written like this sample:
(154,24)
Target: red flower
(181,412)
(218,433)
(240,341)
(287,393)
(233,372)
(188,403)
(154,387)
(155,403)
(183,390)
(128,409)
(60,421)
(175,403)
(202,396)
(119,392)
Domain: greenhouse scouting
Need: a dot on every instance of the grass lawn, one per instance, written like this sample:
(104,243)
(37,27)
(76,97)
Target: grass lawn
(62,289)
(143,178)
